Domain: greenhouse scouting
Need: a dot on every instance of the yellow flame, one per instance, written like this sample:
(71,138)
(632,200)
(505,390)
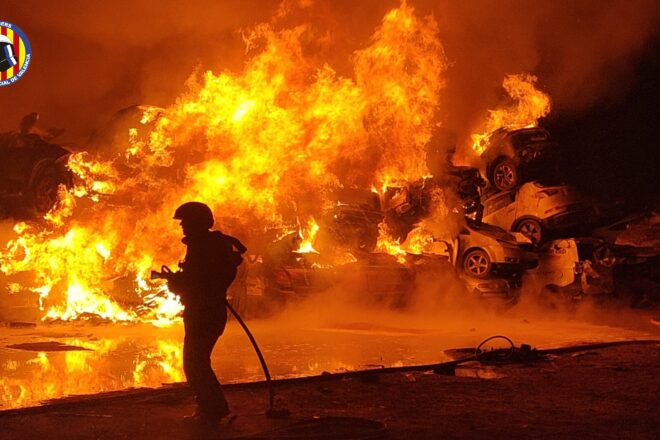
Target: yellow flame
(531,105)
(262,148)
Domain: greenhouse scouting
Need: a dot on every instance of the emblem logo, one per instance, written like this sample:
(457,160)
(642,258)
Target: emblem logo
(15,53)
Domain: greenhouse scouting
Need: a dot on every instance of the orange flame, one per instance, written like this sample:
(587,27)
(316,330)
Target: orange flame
(531,105)
(262,148)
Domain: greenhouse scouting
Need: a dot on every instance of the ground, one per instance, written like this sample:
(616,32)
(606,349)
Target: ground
(593,393)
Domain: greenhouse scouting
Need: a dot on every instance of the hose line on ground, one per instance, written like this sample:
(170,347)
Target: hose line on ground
(479,355)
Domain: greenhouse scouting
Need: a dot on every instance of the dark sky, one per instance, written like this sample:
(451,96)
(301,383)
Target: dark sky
(612,150)
(596,58)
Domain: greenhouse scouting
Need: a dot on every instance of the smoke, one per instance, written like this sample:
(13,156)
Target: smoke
(91,59)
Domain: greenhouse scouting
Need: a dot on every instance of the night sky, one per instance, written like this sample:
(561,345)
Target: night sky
(612,150)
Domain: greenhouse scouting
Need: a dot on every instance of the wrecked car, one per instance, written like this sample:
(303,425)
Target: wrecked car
(637,235)
(31,172)
(290,275)
(458,188)
(351,223)
(513,157)
(468,185)
(126,126)
(571,269)
(438,261)
(484,250)
(481,251)
(377,278)
(537,208)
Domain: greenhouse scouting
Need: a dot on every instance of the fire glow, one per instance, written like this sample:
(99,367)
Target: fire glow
(263,148)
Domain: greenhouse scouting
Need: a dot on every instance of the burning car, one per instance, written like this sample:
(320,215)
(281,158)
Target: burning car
(536,208)
(569,270)
(459,189)
(377,277)
(513,156)
(468,185)
(351,223)
(31,171)
(126,126)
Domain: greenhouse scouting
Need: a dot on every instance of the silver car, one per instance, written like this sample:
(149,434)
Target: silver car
(482,251)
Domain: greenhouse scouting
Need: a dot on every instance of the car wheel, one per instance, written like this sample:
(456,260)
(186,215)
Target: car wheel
(45,188)
(505,175)
(477,264)
(531,229)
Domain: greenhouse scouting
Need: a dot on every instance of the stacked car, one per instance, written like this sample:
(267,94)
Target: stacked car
(576,258)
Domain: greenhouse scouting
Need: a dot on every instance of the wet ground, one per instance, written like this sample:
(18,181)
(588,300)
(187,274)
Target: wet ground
(52,361)
(596,393)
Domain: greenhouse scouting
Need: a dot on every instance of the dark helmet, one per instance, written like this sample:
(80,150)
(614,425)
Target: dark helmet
(195,212)
(7,56)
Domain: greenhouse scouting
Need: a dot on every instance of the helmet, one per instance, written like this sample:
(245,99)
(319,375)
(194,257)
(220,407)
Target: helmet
(195,212)
(7,57)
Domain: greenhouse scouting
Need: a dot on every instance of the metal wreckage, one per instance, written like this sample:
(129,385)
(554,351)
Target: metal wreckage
(516,227)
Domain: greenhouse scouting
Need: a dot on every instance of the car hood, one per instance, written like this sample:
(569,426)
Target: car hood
(493,232)
(640,236)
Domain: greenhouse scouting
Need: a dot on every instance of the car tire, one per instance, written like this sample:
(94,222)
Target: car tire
(44,188)
(531,229)
(505,175)
(477,264)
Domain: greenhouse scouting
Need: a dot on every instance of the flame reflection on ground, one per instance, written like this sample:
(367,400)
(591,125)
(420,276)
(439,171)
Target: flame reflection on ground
(120,357)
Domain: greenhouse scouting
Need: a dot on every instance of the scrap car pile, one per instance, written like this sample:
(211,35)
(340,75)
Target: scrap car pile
(519,231)
(508,228)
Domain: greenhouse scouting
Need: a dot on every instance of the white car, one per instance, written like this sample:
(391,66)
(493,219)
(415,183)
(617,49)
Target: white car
(482,251)
(535,208)
(568,270)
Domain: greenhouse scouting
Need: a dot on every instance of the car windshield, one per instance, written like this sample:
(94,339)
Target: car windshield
(528,137)
(490,230)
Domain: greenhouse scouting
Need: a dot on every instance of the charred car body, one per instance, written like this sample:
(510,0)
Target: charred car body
(351,224)
(375,277)
(637,235)
(459,188)
(31,171)
(514,156)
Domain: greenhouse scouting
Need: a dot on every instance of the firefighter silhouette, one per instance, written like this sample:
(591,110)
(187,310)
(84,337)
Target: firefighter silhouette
(7,54)
(209,268)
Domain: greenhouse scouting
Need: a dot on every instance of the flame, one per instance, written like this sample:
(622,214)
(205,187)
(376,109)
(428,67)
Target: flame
(262,148)
(418,241)
(307,237)
(531,105)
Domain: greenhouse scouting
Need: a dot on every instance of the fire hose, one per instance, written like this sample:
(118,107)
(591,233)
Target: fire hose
(272,411)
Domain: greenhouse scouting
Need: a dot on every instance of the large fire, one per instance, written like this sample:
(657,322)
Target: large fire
(263,148)
(530,105)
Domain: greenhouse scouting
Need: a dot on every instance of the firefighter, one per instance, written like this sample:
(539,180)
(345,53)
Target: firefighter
(209,268)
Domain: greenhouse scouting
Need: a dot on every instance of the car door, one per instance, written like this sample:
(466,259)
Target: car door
(500,210)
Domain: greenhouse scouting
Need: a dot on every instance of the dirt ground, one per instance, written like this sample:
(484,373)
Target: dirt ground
(594,393)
